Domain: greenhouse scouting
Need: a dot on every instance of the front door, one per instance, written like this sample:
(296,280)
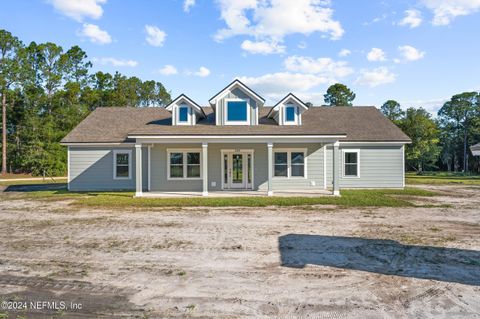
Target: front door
(237,170)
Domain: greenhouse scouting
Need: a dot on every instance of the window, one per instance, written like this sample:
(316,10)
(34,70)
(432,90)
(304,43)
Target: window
(351,163)
(289,164)
(184,165)
(183,114)
(121,164)
(237,111)
(290,114)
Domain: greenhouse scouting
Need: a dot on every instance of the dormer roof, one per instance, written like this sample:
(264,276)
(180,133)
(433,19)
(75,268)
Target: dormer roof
(182,97)
(289,96)
(234,84)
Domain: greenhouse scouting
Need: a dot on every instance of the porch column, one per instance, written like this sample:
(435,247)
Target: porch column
(149,160)
(270,168)
(138,169)
(336,166)
(205,168)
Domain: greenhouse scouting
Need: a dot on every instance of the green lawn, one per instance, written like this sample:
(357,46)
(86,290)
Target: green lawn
(442,178)
(349,198)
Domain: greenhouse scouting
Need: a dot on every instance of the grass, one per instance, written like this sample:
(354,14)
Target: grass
(442,178)
(349,198)
(12,182)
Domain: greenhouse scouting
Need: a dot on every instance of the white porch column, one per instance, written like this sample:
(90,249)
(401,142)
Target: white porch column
(205,168)
(270,168)
(149,160)
(138,169)
(336,166)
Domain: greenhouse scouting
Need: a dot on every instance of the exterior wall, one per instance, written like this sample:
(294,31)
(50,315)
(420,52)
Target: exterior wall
(236,94)
(380,167)
(91,169)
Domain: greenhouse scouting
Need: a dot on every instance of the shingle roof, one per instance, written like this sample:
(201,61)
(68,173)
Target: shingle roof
(114,124)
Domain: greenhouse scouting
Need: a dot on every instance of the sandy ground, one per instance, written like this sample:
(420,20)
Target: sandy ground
(316,262)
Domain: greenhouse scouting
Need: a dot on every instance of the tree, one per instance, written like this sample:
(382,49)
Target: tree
(391,109)
(9,66)
(422,129)
(461,112)
(339,95)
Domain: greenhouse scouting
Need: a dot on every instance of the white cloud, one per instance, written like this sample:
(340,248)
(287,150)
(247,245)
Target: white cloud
(188,4)
(262,47)
(375,77)
(302,45)
(445,11)
(274,19)
(155,36)
(79,9)
(320,66)
(274,85)
(409,53)
(413,18)
(344,53)
(95,34)
(115,61)
(202,72)
(431,105)
(168,69)
(376,54)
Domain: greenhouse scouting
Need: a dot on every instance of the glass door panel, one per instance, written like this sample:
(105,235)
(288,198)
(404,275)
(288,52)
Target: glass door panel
(237,169)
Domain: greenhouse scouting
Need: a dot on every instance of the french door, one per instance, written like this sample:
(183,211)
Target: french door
(237,170)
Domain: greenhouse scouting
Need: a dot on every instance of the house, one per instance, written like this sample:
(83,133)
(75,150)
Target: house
(475,149)
(235,143)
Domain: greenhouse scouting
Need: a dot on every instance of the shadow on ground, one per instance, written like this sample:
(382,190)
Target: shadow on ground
(387,257)
(25,188)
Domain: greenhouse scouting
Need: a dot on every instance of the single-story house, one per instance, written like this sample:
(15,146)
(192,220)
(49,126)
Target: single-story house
(235,143)
(475,149)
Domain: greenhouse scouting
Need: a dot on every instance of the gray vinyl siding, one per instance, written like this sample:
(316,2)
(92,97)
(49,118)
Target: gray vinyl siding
(380,167)
(91,169)
(236,94)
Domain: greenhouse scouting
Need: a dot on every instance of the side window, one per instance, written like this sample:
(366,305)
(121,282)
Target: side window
(121,164)
(183,114)
(350,161)
(289,164)
(281,164)
(290,114)
(184,165)
(297,160)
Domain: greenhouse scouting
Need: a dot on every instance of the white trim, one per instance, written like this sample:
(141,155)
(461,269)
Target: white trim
(184,151)
(230,88)
(68,167)
(296,115)
(225,113)
(190,115)
(149,160)
(403,166)
(162,137)
(204,168)
(289,151)
(373,143)
(336,193)
(129,152)
(324,166)
(344,151)
(99,144)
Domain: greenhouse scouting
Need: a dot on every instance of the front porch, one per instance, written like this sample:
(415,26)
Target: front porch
(240,193)
(233,167)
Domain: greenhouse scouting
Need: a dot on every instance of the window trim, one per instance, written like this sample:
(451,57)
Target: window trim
(225,108)
(344,152)
(289,152)
(190,115)
(184,164)
(129,153)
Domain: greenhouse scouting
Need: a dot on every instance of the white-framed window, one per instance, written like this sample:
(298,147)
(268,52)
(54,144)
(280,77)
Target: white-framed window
(184,115)
(122,164)
(290,163)
(290,113)
(184,164)
(351,163)
(237,111)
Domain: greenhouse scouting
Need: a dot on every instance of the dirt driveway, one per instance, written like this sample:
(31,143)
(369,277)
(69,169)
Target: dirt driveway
(243,262)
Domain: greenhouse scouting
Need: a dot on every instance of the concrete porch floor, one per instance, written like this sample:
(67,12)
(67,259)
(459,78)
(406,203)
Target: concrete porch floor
(240,193)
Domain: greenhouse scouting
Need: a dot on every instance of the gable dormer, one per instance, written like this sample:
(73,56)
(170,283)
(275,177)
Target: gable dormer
(236,104)
(288,111)
(185,111)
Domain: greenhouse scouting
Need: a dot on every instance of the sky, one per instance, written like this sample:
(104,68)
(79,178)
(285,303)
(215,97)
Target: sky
(418,52)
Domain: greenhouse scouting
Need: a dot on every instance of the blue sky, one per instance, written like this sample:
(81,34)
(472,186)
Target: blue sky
(419,52)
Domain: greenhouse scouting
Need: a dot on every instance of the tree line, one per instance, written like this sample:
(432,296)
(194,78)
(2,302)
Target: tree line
(438,143)
(46,91)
